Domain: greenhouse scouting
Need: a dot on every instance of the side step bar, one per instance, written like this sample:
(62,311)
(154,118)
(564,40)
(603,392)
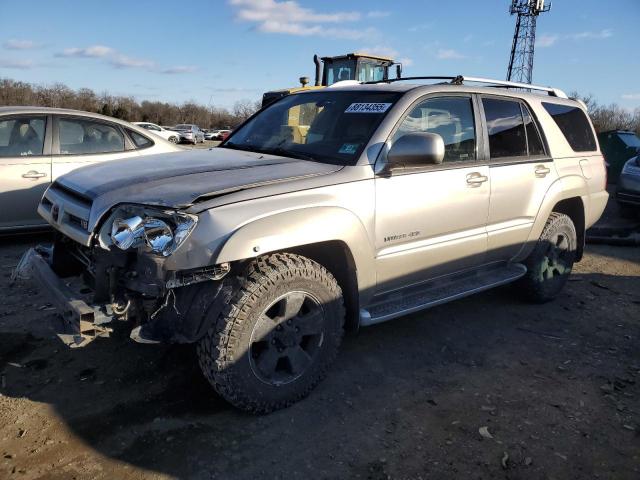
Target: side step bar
(437,292)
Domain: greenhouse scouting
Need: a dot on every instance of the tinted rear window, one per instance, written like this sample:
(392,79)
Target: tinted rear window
(574,126)
(630,140)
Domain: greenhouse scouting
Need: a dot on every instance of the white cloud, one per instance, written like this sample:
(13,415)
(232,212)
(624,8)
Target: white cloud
(449,54)
(120,60)
(422,26)
(546,40)
(405,61)
(631,96)
(290,18)
(605,33)
(94,51)
(14,44)
(550,39)
(124,61)
(178,69)
(378,14)
(17,64)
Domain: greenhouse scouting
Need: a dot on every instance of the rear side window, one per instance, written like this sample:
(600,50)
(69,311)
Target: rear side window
(507,137)
(574,126)
(140,141)
(78,137)
(533,135)
(21,136)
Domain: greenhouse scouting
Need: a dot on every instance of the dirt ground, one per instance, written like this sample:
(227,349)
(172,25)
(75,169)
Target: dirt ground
(556,386)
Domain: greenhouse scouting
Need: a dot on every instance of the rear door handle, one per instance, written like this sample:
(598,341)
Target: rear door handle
(475,179)
(33,174)
(542,171)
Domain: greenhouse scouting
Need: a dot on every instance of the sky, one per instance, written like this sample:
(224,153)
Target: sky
(216,52)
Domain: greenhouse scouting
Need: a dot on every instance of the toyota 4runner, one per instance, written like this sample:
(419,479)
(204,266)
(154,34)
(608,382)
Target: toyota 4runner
(326,211)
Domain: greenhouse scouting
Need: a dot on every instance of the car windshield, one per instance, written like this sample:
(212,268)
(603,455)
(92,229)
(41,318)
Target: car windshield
(630,139)
(327,126)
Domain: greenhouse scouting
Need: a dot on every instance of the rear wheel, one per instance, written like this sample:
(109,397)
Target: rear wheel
(277,337)
(173,139)
(550,263)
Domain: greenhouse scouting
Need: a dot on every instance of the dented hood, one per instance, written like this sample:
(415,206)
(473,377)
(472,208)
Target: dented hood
(182,178)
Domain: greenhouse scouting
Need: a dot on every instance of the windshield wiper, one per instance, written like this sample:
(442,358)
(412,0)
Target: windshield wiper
(283,152)
(237,146)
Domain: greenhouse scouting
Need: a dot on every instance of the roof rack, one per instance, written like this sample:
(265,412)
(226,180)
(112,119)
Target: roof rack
(460,80)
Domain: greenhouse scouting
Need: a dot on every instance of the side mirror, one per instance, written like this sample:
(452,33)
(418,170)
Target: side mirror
(415,150)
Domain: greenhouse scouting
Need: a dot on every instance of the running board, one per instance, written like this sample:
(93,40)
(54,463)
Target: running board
(437,292)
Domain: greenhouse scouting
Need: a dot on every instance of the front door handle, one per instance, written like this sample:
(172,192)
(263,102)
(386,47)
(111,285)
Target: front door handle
(542,171)
(475,179)
(33,174)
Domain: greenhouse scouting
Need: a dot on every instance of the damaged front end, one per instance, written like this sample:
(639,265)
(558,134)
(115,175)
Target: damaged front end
(122,275)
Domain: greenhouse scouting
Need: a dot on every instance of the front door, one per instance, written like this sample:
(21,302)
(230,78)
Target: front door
(432,222)
(25,169)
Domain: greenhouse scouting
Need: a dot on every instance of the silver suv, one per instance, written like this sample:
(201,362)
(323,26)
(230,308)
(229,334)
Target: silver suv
(328,210)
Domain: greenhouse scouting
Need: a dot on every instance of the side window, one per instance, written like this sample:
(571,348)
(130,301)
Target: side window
(79,136)
(507,137)
(574,126)
(140,141)
(534,141)
(449,117)
(22,136)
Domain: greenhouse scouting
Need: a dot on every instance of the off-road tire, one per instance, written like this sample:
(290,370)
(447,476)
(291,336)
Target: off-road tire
(543,282)
(224,352)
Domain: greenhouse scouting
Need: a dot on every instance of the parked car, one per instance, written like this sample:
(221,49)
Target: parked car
(618,146)
(628,188)
(222,134)
(189,133)
(371,202)
(211,134)
(37,145)
(170,135)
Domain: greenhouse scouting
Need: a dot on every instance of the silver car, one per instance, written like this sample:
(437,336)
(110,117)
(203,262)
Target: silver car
(37,145)
(189,133)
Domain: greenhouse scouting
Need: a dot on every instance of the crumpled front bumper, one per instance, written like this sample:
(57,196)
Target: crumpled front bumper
(81,323)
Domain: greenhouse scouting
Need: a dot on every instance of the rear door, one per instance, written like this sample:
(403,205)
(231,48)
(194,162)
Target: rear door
(432,221)
(25,168)
(521,174)
(79,141)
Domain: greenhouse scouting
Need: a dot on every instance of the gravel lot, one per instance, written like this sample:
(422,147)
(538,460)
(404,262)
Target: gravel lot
(557,387)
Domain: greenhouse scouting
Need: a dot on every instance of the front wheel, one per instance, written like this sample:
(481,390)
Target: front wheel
(550,263)
(278,336)
(173,139)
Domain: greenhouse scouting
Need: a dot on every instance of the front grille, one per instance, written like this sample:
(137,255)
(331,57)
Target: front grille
(68,212)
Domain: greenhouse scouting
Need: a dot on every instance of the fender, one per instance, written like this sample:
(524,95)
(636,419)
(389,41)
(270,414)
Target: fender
(301,227)
(569,186)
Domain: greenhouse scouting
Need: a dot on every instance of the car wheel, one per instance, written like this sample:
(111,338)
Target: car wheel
(550,263)
(173,139)
(278,335)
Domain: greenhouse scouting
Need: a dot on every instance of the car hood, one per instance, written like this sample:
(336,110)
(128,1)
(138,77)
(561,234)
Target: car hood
(183,178)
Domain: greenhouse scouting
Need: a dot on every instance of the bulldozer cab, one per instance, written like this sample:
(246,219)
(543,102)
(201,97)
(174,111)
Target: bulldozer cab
(352,66)
(355,66)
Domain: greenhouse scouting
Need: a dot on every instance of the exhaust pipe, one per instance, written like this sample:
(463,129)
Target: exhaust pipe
(316,60)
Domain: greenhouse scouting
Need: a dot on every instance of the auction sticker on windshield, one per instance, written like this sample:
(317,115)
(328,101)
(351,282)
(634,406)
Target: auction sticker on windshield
(367,108)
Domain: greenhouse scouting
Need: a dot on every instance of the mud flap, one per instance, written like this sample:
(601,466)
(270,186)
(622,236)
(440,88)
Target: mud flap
(80,323)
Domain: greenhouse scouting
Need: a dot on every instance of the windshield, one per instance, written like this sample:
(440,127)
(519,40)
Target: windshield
(182,127)
(328,126)
(630,139)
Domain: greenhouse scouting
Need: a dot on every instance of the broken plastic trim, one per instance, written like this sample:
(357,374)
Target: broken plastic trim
(184,278)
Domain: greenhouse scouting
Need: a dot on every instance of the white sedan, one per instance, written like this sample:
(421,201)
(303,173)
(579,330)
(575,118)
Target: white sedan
(173,137)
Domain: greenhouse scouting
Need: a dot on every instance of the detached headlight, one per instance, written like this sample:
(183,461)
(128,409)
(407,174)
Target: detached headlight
(162,232)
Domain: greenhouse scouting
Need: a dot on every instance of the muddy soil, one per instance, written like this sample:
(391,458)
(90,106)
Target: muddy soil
(554,388)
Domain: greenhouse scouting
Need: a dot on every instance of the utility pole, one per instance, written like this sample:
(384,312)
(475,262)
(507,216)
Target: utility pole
(524,38)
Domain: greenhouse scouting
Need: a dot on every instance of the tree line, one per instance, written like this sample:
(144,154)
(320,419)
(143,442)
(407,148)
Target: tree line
(58,95)
(12,92)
